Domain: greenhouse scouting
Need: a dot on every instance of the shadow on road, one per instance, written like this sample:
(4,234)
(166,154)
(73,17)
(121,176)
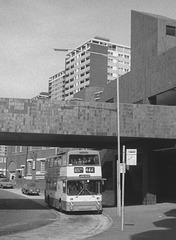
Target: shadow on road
(17,204)
(20,214)
(165,229)
(23,227)
(12,201)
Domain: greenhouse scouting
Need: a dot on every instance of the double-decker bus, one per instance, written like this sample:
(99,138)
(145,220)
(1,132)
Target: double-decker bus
(74,181)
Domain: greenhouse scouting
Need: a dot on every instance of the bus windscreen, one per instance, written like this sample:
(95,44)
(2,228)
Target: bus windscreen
(83,187)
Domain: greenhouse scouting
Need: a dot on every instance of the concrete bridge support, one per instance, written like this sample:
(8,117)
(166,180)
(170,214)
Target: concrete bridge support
(148,176)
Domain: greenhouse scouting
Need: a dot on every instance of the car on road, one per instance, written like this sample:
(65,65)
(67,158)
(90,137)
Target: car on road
(30,188)
(2,175)
(5,183)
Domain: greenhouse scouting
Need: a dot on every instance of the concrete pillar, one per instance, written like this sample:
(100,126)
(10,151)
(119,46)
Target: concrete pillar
(149,176)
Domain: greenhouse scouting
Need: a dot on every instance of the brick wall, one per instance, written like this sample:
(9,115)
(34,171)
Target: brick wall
(86,118)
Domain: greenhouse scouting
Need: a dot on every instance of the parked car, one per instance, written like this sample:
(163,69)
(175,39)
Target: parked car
(5,183)
(2,175)
(30,188)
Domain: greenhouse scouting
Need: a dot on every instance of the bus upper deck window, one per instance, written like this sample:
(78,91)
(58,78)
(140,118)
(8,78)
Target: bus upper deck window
(83,160)
(93,160)
(96,159)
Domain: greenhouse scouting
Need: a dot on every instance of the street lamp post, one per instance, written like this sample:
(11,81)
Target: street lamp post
(118,122)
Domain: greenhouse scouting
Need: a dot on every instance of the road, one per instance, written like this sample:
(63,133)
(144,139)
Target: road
(19,213)
(27,217)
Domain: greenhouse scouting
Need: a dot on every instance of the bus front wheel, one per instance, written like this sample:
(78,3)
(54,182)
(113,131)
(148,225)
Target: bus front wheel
(60,205)
(48,201)
(100,211)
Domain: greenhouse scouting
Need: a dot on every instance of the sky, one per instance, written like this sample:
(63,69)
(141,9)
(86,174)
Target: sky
(31,29)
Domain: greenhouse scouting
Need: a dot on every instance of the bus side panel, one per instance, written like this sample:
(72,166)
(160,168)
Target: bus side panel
(53,196)
(58,195)
(59,191)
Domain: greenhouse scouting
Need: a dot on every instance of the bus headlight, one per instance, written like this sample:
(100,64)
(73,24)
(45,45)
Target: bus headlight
(71,206)
(98,205)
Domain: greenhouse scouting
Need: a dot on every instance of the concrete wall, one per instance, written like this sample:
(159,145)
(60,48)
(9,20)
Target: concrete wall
(153,55)
(110,92)
(165,42)
(154,77)
(148,37)
(88,94)
(144,32)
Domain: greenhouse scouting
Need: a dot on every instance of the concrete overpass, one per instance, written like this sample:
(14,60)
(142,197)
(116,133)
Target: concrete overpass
(81,124)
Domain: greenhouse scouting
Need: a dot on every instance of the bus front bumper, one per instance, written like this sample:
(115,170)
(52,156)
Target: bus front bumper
(82,206)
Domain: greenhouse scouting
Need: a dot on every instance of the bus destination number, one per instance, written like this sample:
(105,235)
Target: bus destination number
(90,169)
(78,169)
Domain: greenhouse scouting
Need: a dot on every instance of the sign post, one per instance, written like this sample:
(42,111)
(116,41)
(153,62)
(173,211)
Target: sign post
(123,186)
(130,158)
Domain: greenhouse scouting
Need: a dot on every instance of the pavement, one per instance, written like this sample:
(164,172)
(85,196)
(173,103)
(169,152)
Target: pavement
(141,222)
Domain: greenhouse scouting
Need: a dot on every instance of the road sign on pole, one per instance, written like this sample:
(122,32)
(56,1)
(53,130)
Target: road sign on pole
(131,157)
